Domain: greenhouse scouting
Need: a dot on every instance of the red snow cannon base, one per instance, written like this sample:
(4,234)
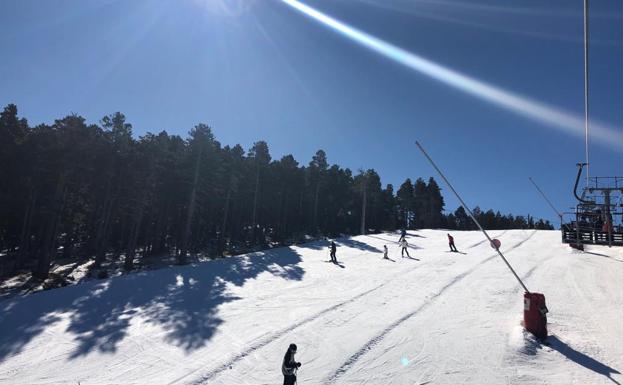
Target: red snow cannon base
(535,314)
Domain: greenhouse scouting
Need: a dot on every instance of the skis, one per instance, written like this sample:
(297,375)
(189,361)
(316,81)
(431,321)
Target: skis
(458,252)
(336,263)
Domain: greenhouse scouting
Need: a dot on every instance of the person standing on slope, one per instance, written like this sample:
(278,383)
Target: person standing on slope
(290,366)
(385,252)
(404,245)
(333,248)
(451,243)
(403,234)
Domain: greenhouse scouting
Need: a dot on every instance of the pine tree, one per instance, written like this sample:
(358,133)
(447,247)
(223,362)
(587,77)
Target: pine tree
(405,203)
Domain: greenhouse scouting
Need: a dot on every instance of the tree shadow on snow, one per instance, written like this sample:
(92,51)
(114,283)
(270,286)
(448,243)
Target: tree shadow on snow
(318,244)
(581,358)
(352,243)
(183,300)
(347,242)
(383,238)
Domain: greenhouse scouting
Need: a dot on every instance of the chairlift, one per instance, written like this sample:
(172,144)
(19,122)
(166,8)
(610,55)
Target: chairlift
(598,216)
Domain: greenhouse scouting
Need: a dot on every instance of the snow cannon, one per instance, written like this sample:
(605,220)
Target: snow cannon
(535,314)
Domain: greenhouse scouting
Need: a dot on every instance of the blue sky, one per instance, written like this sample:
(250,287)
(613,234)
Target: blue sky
(261,70)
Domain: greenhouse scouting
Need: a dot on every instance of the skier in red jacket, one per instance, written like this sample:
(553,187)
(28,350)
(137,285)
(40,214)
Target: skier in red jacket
(451,243)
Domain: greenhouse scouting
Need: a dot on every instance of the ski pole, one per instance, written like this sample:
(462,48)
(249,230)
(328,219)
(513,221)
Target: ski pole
(471,214)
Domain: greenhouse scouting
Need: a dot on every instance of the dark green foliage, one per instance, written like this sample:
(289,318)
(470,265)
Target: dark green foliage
(71,192)
(460,220)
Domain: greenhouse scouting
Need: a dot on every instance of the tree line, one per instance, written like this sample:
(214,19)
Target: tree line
(74,191)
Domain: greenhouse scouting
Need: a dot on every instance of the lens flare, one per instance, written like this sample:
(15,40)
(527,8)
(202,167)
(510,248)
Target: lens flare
(533,109)
(226,8)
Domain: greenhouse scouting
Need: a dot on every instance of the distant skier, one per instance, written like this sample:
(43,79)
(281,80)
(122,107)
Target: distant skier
(404,245)
(290,366)
(403,234)
(333,248)
(451,243)
(385,252)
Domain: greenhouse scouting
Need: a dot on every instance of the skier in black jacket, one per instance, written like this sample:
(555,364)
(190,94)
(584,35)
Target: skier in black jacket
(403,235)
(332,247)
(289,366)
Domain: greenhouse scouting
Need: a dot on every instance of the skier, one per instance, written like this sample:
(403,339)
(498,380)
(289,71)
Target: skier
(451,243)
(403,234)
(404,245)
(333,257)
(385,252)
(289,366)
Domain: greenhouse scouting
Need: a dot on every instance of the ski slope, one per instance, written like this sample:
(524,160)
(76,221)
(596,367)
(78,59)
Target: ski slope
(435,318)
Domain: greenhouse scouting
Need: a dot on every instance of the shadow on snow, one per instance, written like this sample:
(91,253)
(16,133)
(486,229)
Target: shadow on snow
(324,244)
(601,255)
(581,358)
(183,300)
(352,243)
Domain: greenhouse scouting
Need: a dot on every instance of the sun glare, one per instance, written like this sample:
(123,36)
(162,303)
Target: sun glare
(538,111)
(226,8)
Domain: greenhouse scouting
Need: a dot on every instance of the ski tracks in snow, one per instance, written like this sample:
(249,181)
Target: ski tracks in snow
(484,240)
(270,338)
(267,339)
(370,344)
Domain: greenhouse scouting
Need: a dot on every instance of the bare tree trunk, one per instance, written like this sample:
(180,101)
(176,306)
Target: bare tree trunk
(316,194)
(255,196)
(181,258)
(68,245)
(255,200)
(42,269)
(303,225)
(226,211)
(128,263)
(363,211)
(223,236)
(24,244)
(159,240)
(102,227)
(284,214)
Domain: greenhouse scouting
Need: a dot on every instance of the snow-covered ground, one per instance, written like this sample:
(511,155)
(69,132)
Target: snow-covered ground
(435,318)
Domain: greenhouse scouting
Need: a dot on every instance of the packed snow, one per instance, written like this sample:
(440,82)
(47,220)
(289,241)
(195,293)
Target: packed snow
(434,318)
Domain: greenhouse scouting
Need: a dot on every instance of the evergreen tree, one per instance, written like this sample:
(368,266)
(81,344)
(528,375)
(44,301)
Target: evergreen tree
(74,191)
(405,204)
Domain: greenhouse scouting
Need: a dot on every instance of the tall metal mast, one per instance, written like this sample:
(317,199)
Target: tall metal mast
(546,199)
(469,212)
(586,87)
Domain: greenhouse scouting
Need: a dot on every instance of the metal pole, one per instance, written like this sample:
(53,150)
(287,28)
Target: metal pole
(544,196)
(471,214)
(586,86)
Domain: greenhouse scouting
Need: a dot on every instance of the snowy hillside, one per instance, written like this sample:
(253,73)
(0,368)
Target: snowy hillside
(435,318)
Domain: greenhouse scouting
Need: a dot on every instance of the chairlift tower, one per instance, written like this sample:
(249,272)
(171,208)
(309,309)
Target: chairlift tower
(601,202)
